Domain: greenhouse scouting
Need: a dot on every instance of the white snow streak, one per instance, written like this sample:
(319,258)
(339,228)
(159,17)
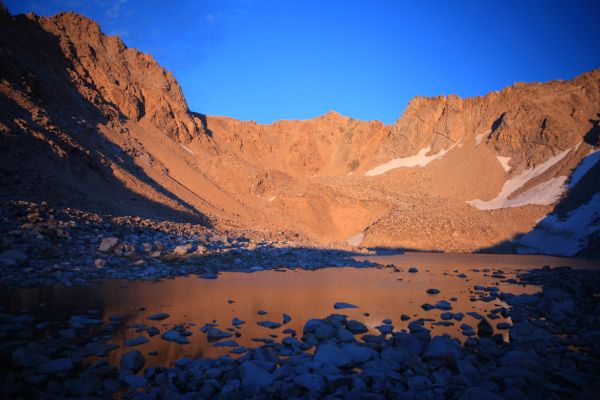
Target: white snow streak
(504,161)
(563,237)
(356,239)
(186,149)
(584,166)
(532,196)
(418,160)
(479,138)
(547,192)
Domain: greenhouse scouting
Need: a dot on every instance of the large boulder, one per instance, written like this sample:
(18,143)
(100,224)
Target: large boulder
(108,244)
(56,366)
(329,353)
(12,258)
(253,374)
(132,361)
(442,347)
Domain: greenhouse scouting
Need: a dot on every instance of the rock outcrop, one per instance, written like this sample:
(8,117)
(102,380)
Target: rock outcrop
(119,81)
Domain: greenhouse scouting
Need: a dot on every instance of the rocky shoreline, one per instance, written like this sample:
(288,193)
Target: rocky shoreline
(41,246)
(553,349)
(553,352)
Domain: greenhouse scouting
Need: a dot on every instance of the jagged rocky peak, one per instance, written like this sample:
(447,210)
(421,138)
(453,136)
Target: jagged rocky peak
(120,81)
(527,121)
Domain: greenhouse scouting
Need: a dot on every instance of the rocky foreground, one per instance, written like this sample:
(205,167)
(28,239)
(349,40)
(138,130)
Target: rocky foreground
(42,246)
(553,349)
(553,352)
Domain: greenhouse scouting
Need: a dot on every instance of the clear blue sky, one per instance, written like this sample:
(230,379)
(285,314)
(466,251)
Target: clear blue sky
(269,60)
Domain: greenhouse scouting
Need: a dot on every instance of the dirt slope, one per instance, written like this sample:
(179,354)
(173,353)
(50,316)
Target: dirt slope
(87,122)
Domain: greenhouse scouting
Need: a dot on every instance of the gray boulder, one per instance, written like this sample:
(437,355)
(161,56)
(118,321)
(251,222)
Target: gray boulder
(253,374)
(329,353)
(132,361)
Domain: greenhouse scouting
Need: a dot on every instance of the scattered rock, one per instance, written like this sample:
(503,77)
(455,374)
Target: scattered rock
(108,244)
(269,324)
(175,336)
(342,305)
(136,341)
(158,316)
(331,354)
(55,366)
(214,334)
(253,374)
(12,258)
(356,327)
(183,249)
(484,328)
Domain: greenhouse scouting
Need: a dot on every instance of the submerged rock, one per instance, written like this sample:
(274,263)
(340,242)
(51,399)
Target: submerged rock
(214,334)
(208,276)
(226,343)
(158,316)
(342,305)
(175,336)
(269,324)
(286,318)
(136,341)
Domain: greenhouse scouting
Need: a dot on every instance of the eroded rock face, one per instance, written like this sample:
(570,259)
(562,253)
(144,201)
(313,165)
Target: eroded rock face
(119,81)
(528,122)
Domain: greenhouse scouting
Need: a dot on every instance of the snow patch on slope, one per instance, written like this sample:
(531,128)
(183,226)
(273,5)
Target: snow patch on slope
(504,162)
(356,239)
(186,149)
(532,196)
(418,160)
(584,166)
(563,237)
(479,137)
(545,193)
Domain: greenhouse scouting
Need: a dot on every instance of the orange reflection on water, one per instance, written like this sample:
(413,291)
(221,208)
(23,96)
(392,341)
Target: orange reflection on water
(382,293)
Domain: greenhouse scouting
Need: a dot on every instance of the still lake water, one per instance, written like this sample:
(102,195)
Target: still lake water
(302,294)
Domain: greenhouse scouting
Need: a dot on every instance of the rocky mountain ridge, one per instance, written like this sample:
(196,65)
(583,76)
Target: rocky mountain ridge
(87,122)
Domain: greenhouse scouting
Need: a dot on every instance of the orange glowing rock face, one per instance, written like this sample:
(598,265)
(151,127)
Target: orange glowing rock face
(92,124)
